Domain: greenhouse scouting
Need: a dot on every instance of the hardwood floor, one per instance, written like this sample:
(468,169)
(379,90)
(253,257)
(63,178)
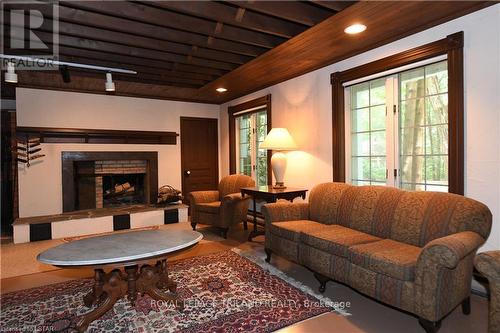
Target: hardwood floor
(366,315)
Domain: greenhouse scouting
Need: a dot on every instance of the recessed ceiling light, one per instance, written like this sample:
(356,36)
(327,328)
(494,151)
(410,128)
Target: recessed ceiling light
(221,90)
(355,29)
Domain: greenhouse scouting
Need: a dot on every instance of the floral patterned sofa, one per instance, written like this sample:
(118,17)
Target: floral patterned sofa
(411,250)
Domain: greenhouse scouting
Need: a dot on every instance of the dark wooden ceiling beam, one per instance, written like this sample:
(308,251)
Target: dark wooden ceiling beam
(300,12)
(104,59)
(140,69)
(127,60)
(147,14)
(82,84)
(141,78)
(227,14)
(150,74)
(134,28)
(334,5)
(135,51)
(91,33)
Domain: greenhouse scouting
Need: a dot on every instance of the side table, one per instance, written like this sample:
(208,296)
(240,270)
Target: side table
(269,194)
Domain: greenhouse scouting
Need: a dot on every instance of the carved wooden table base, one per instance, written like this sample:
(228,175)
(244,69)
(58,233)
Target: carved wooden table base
(110,287)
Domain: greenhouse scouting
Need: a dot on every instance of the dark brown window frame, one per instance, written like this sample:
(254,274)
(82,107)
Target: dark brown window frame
(452,46)
(264,100)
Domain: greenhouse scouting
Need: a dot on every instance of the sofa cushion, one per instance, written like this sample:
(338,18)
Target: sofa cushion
(388,257)
(336,239)
(291,229)
(209,207)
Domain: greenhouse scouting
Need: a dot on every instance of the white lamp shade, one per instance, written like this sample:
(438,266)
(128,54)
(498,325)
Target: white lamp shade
(278,139)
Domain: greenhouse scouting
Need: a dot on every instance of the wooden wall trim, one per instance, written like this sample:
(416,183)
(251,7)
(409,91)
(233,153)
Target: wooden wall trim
(264,100)
(452,46)
(78,135)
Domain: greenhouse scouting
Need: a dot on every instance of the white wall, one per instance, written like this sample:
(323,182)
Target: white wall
(304,106)
(40,186)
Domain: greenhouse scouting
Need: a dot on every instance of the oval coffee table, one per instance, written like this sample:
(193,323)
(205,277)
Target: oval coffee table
(123,250)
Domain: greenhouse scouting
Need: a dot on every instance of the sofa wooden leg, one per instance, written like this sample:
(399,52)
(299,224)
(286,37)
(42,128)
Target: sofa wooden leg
(193,225)
(429,326)
(245,224)
(268,254)
(322,281)
(224,232)
(466,306)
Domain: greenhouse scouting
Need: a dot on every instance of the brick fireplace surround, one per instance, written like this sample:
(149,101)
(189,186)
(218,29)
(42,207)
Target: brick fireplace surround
(105,163)
(95,166)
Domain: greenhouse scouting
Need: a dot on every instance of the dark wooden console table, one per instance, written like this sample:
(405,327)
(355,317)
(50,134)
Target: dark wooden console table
(269,194)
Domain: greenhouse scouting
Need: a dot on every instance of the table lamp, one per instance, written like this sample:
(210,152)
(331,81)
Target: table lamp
(278,140)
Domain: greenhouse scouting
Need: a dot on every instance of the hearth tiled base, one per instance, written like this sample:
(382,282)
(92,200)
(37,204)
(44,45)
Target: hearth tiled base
(95,222)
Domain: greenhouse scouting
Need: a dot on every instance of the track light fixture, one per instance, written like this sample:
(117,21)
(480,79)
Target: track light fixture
(110,85)
(10,75)
(64,69)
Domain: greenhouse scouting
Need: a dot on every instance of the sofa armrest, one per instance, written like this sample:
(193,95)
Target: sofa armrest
(443,274)
(285,211)
(449,250)
(197,197)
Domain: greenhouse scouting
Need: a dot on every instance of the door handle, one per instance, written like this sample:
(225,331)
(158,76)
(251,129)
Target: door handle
(187,172)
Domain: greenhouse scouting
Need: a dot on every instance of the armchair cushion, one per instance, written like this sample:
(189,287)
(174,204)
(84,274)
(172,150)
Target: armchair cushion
(336,239)
(291,229)
(209,207)
(388,257)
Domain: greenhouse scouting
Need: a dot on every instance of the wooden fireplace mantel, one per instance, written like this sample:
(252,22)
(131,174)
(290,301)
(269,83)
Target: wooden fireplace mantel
(79,135)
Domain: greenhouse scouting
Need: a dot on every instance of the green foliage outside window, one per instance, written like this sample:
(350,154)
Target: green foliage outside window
(422,129)
(252,132)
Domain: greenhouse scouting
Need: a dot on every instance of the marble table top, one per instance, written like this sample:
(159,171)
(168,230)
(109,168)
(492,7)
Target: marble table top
(120,247)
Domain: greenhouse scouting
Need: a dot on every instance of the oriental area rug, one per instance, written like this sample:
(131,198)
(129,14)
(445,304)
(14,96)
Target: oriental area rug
(223,292)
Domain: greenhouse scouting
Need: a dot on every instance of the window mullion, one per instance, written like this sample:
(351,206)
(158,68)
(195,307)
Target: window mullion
(389,102)
(395,130)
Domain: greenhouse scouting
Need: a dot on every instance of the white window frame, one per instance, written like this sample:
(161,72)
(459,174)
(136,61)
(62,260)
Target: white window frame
(392,105)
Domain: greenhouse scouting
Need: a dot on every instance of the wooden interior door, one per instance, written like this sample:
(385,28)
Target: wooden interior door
(199,154)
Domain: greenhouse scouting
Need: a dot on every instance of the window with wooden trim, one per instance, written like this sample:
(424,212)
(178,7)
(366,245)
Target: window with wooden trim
(398,129)
(426,140)
(251,130)
(249,123)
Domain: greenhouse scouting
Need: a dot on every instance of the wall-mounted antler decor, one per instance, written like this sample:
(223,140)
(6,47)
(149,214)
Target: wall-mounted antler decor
(27,150)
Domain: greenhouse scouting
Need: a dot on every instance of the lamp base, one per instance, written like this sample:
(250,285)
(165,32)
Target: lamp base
(279,186)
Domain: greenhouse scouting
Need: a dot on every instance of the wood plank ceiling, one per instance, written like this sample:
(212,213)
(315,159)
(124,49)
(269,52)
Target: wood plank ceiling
(186,49)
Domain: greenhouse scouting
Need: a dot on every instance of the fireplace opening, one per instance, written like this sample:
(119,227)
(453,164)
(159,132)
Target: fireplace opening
(93,180)
(119,190)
